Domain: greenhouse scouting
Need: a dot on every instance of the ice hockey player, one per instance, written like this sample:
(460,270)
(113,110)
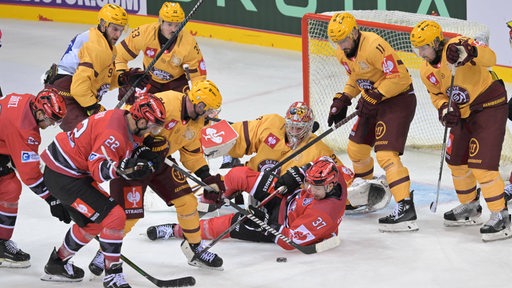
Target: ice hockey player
(168,72)
(296,215)
(99,149)
(508,187)
(476,116)
(385,109)
(25,115)
(186,113)
(86,70)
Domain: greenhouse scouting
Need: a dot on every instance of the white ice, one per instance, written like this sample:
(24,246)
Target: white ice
(255,81)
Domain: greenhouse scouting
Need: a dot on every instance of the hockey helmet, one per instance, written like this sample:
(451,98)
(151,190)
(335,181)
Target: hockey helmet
(112,13)
(171,12)
(509,25)
(150,108)
(321,174)
(425,33)
(50,103)
(340,26)
(299,122)
(206,91)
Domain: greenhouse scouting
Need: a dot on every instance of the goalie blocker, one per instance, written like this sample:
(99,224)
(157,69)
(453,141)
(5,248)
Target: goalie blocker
(217,139)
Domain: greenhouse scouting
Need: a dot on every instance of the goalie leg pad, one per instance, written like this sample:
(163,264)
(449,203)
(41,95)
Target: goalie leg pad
(369,195)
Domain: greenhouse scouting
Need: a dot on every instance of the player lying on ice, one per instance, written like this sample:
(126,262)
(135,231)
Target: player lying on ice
(306,215)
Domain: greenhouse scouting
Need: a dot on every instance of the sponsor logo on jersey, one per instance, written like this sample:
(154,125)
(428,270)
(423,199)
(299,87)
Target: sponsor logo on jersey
(459,95)
(347,68)
(83,208)
(132,198)
(171,124)
(29,156)
(150,52)
(364,84)
(307,201)
(380,129)
(161,74)
(302,234)
(389,65)
(474,146)
(93,156)
(32,141)
(272,140)
(432,78)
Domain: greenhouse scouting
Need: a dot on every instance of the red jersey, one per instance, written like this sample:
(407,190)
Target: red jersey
(78,153)
(309,221)
(22,138)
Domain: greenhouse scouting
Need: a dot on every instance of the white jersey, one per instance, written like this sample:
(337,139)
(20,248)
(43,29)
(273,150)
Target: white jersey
(69,61)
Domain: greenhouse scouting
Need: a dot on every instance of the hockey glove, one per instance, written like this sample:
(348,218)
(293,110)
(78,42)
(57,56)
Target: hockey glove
(214,197)
(461,52)
(367,105)
(122,91)
(292,179)
(157,144)
(94,108)
(339,107)
(449,117)
(57,209)
(131,76)
(143,152)
(510,109)
(135,168)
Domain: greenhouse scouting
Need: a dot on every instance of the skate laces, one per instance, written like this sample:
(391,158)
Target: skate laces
(68,266)
(11,246)
(466,209)
(115,280)
(207,255)
(399,209)
(165,231)
(98,259)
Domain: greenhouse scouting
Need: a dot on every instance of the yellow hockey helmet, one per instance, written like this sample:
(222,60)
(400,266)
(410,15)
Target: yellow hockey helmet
(171,12)
(112,13)
(340,26)
(425,33)
(207,92)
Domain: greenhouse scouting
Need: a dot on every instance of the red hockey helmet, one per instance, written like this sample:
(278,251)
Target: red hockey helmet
(51,103)
(322,173)
(148,107)
(299,122)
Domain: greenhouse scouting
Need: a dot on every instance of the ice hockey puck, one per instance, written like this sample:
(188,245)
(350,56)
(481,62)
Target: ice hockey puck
(281,259)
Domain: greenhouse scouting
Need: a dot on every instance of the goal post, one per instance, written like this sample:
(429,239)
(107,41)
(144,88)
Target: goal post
(323,75)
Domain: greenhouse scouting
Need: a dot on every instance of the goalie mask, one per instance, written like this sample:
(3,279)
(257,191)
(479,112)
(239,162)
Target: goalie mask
(321,177)
(298,123)
(50,103)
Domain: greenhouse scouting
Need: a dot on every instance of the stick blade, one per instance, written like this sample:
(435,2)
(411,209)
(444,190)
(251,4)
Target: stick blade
(177,282)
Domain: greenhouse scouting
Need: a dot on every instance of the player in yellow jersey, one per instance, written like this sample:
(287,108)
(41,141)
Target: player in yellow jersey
(86,70)
(385,109)
(168,72)
(476,116)
(185,116)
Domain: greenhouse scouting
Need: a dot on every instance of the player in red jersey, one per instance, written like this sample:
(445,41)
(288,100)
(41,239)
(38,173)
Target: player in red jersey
(307,215)
(99,149)
(25,114)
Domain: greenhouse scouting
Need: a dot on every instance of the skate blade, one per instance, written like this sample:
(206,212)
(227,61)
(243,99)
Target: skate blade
(459,223)
(359,210)
(58,278)
(5,263)
(201,265)
(501,235)
(406,226)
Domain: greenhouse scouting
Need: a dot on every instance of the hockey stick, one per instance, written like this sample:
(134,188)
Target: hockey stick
(186,68)
(433,205)
(176,282)
(158,55)
(306,249)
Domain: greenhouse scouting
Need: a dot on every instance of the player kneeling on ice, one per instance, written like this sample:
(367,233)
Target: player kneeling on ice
(24,114)
(99,149)
(307,215)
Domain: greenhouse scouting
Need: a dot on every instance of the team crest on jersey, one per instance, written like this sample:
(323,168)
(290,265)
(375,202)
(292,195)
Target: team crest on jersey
(176,61)
(161,74)
(133,199)
(364,84)
(302,235)
(171,124)
(459,95)
(389,65)
(32,141)
(272,140)
(267,164)
(307,201)
(29,156)
(150,52)
(347,68)
(432,78)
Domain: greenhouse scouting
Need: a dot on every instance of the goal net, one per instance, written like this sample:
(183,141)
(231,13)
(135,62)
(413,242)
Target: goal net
(323,76)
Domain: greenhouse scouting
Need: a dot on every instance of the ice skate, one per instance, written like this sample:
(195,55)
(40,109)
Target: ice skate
(402,219)
(58,270)
(497,228)
(97,264)
(11,256)
(465,214)
(114,277)
(508,194)
(194,256)
(163,231)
